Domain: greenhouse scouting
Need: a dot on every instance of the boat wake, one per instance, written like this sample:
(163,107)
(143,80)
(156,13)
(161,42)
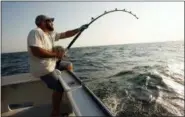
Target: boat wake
(144,93)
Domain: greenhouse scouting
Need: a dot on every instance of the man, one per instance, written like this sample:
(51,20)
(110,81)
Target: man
(42,57)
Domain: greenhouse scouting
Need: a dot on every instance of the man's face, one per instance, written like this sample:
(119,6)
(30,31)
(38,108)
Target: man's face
(48,24)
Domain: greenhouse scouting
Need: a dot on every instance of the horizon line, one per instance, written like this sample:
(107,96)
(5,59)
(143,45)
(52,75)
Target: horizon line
(106,45)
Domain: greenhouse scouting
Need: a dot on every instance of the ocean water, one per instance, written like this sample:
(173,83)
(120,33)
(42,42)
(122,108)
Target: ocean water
(133,80)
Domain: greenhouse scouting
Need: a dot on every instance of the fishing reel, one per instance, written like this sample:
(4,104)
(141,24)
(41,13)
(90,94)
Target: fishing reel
(64,59)
(59,49)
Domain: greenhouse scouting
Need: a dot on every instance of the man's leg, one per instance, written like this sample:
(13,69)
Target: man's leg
(53,83)
(56,100)
(57,96)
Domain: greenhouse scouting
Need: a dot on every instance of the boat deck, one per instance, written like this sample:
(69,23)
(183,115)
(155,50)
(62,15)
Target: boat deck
(35,111)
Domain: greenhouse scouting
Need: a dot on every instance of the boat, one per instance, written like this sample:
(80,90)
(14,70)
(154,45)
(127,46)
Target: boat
(26,96)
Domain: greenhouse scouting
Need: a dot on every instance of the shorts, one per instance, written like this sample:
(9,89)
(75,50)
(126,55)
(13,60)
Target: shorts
(52,79)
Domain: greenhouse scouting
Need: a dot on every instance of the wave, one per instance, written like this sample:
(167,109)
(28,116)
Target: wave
(122,73)
(132,93)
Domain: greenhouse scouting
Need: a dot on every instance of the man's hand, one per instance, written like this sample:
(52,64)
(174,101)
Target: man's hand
(60,54)
(60,51)
(83,27)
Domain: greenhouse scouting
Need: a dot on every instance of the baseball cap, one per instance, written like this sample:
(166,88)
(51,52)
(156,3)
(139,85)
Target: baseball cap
(41,18)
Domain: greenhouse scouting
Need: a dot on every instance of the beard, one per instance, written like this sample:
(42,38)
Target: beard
(49,27)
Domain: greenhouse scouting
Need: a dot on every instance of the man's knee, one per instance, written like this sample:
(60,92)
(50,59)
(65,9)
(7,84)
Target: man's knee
(70,67)
(65,65)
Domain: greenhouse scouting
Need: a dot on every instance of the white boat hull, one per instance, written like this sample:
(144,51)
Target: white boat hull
(24,88)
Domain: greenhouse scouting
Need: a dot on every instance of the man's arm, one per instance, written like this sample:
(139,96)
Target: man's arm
(42,53)
(69,33)
(35,44)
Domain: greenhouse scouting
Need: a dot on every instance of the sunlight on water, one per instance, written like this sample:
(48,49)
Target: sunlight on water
(112,102)
(170,107)
(177,68)
(174,85)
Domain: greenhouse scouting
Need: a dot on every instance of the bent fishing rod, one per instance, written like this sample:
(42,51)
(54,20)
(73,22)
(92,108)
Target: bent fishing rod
(93,20)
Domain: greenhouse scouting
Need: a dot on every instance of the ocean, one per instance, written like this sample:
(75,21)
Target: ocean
(132,80)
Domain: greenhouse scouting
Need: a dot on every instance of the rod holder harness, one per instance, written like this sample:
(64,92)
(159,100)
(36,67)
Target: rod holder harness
(94,19)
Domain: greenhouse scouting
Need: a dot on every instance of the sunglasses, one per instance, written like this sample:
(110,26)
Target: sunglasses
(49,20)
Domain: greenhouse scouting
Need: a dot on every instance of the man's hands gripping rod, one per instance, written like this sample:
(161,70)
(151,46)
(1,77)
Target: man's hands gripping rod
(61,53)
(83,27)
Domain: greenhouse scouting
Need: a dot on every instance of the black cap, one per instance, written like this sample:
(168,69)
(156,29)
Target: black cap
(41,18)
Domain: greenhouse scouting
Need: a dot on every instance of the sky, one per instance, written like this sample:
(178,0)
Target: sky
(158,22)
